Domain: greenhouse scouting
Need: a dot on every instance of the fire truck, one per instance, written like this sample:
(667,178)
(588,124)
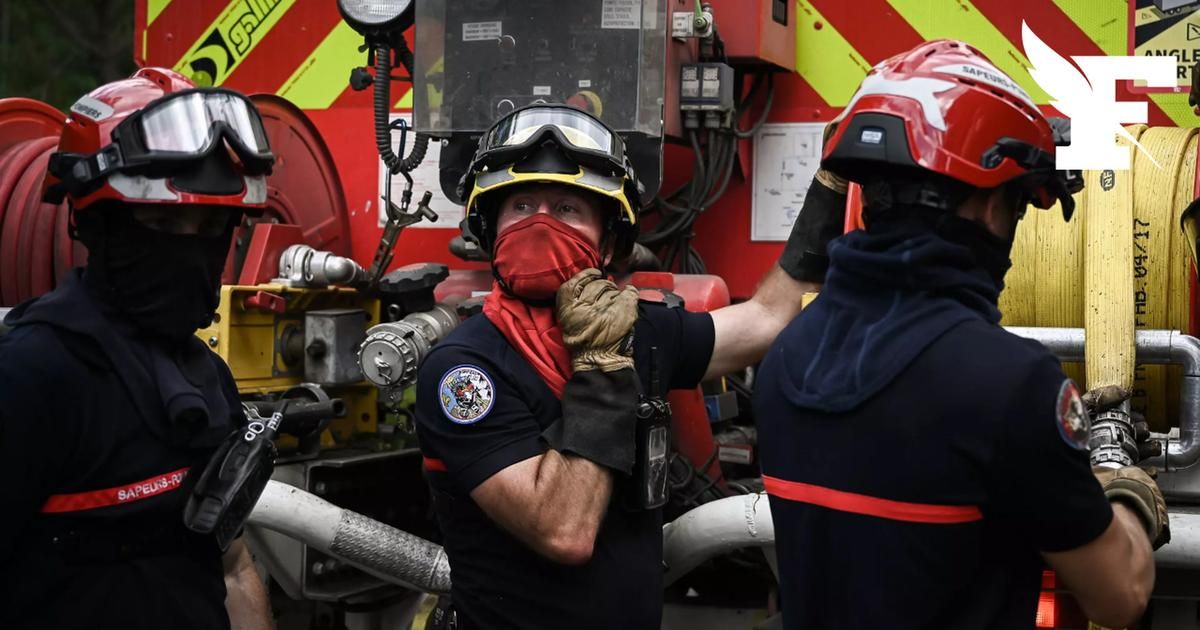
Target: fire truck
(359,266)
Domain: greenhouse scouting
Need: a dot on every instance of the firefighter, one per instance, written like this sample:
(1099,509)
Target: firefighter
(923,464)
(526,414)
(107,399)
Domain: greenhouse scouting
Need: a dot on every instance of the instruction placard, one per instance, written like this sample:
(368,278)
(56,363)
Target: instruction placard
(786,157)
(1167,28)
(621,14)
(425,177)
(481,31)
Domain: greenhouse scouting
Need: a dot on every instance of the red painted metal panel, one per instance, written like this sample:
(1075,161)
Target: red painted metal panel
(24,119)
(174,31)
(751,34)
(305,187)
(266,245)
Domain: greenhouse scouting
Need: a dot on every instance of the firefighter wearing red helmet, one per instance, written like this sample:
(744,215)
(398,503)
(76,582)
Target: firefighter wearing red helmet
(527,414)
(108,401)
(923,464)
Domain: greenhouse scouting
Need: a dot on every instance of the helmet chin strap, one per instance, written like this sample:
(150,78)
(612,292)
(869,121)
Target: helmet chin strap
(882,195)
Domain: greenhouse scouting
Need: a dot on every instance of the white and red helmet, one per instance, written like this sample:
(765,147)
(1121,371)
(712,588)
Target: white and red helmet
(944,108)
(155,138)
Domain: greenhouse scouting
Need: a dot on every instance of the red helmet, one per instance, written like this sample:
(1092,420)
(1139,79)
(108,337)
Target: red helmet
(157,138)
(942,107)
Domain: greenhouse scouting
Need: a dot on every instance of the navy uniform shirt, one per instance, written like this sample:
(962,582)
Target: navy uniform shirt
(926,506)
(481,407)
(79,464)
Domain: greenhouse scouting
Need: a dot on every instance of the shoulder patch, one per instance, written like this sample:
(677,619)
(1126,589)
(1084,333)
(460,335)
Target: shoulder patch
(466,394)
(1071,417)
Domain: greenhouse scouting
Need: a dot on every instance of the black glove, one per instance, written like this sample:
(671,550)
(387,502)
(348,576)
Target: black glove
(599,420)
(822,219)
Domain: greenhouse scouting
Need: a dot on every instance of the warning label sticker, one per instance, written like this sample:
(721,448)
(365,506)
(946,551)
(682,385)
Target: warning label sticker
(621,14)
(1167,28)
(481,31)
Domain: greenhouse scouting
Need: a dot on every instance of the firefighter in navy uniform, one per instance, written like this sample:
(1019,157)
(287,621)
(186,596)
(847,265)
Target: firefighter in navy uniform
(107,399)
(923,464)
(526,414)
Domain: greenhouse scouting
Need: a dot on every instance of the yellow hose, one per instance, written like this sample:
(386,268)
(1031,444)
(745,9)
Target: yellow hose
(1155,227)
(1108,277)
(1179,290)
(1120,264)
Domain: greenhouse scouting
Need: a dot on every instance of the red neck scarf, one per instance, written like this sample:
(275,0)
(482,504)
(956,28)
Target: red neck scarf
(534,332)
(533,257)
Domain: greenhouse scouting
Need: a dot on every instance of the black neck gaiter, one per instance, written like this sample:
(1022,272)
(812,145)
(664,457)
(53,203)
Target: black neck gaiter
(168,285)
(992,252)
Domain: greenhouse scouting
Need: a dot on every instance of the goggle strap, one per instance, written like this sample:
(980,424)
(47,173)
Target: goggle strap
(77,171)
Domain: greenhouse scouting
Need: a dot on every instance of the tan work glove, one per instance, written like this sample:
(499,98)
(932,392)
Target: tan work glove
(597,322)
(1104,398)
(1133,487)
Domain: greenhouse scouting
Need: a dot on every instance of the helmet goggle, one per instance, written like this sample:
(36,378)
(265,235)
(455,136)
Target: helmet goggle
(583,137)
(171,133)
(1043,182)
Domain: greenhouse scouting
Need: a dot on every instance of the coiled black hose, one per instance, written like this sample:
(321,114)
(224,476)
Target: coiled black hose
(383,84)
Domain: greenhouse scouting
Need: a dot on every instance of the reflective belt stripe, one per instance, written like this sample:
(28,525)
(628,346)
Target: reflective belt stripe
(433,465)
(871,506)
(136,491)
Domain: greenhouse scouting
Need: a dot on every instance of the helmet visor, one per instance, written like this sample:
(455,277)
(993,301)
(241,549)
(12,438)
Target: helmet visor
(577,133)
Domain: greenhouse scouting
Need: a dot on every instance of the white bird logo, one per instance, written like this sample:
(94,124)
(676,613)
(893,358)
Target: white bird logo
(1091,105)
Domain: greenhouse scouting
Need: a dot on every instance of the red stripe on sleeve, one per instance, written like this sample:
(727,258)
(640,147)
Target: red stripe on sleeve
(433,465)
(136,491)
(871,506)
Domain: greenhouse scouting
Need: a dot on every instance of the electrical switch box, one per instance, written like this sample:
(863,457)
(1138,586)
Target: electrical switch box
(706,87)
(757,32)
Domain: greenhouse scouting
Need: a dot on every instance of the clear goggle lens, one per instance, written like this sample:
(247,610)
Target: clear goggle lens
(579,130)
(184,124)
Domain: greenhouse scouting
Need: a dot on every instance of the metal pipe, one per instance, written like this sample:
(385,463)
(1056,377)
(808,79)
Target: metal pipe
(716,528)
(1155,347)
(381,550)
(1064,343)
(1183,552)
(301,265)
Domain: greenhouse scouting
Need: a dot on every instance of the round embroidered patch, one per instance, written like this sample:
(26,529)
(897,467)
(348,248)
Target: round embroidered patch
(466,394)
(1072,419)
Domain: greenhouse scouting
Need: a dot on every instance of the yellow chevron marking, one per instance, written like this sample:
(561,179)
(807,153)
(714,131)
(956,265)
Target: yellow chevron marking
(153,9)
(323,76)
(825,59)
(1176,107)
(1104,21)
(960,19)
(405,101)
